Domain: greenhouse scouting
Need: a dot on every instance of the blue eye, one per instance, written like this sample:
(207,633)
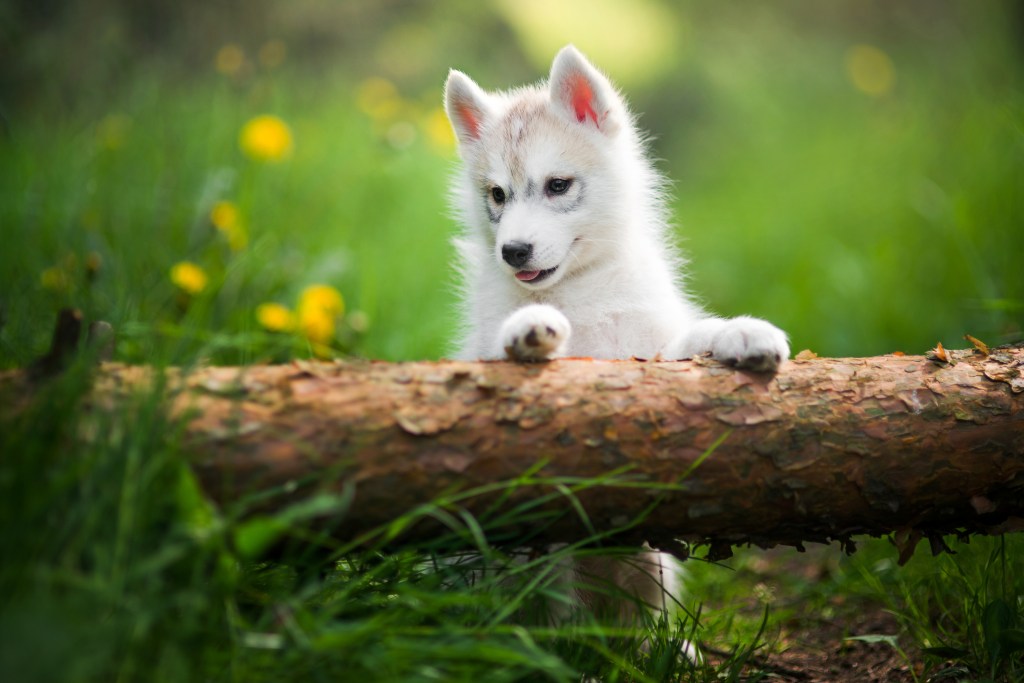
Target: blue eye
(558,185)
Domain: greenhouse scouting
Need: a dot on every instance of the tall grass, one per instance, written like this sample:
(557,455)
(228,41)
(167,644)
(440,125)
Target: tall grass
(117,568)
(103,204)
(966,608)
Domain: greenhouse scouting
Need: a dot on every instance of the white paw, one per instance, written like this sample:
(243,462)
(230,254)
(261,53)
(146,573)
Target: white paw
(534,333)
(751,344)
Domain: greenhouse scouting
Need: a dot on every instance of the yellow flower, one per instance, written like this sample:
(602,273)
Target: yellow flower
(188,277)
(317,325)
(319,307)
(230,59)
(266,138)
(275,317)
(324,297)
(225,217)
(870,70)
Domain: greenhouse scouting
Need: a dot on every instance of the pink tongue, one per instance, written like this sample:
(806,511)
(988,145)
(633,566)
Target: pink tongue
(527,275)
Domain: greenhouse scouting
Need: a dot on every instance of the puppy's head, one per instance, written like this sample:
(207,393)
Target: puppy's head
(540,168)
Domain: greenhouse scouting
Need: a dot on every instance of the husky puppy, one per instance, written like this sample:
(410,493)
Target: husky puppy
(564,249)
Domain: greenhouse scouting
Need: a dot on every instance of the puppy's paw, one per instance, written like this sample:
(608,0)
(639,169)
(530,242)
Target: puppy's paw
(535,333)
(751,344)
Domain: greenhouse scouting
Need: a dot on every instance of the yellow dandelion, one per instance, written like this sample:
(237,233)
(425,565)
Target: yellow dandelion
(870,70)
(266,138)
(318,325)
(275,317)
(230,59)
(323,297)
(272,53)
(319,308)
(224,215)
(188,277)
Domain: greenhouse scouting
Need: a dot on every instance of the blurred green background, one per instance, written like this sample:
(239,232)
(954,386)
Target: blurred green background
(236,182)
(853,171)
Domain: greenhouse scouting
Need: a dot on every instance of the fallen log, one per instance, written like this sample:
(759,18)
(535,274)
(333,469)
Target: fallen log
(823,450)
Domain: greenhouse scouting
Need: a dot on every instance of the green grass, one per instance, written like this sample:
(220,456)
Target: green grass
(118,569)
(347,209)
(966,608)
(870,225)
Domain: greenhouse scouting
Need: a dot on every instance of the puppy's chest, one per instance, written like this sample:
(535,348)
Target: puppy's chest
(623,337)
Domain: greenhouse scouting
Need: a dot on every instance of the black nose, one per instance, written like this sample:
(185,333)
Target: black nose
(516,254)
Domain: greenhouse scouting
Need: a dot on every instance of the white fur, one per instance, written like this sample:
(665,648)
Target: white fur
(616,291)
(535,332)
(618,278)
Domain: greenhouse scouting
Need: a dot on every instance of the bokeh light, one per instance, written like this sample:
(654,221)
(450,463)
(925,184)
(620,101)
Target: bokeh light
(870,70)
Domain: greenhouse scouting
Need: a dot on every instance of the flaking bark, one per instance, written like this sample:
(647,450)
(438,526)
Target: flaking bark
(825,449)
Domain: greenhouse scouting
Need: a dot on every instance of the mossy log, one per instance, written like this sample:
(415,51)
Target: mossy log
(823,450)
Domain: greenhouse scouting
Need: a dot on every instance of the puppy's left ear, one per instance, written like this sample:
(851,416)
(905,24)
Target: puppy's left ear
(468,107)
(582,92)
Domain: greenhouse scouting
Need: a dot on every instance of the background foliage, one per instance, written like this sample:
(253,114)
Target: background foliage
(237,182)
(851,171)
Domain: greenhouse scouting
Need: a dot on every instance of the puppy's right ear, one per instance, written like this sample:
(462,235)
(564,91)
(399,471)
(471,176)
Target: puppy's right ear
(467,106)
(583,93)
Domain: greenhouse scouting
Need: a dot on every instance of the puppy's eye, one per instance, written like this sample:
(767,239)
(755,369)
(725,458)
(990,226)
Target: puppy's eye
(498,195)
(558,185)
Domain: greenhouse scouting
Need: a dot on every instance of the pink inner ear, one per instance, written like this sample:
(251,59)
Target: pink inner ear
(582,98)
(469,119)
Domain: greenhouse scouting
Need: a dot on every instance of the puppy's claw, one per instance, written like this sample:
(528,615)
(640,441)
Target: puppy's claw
(758,363)
(750,344)
(535,333)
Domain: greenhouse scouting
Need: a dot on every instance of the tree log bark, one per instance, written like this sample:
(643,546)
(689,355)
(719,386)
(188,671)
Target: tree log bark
(823,450)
